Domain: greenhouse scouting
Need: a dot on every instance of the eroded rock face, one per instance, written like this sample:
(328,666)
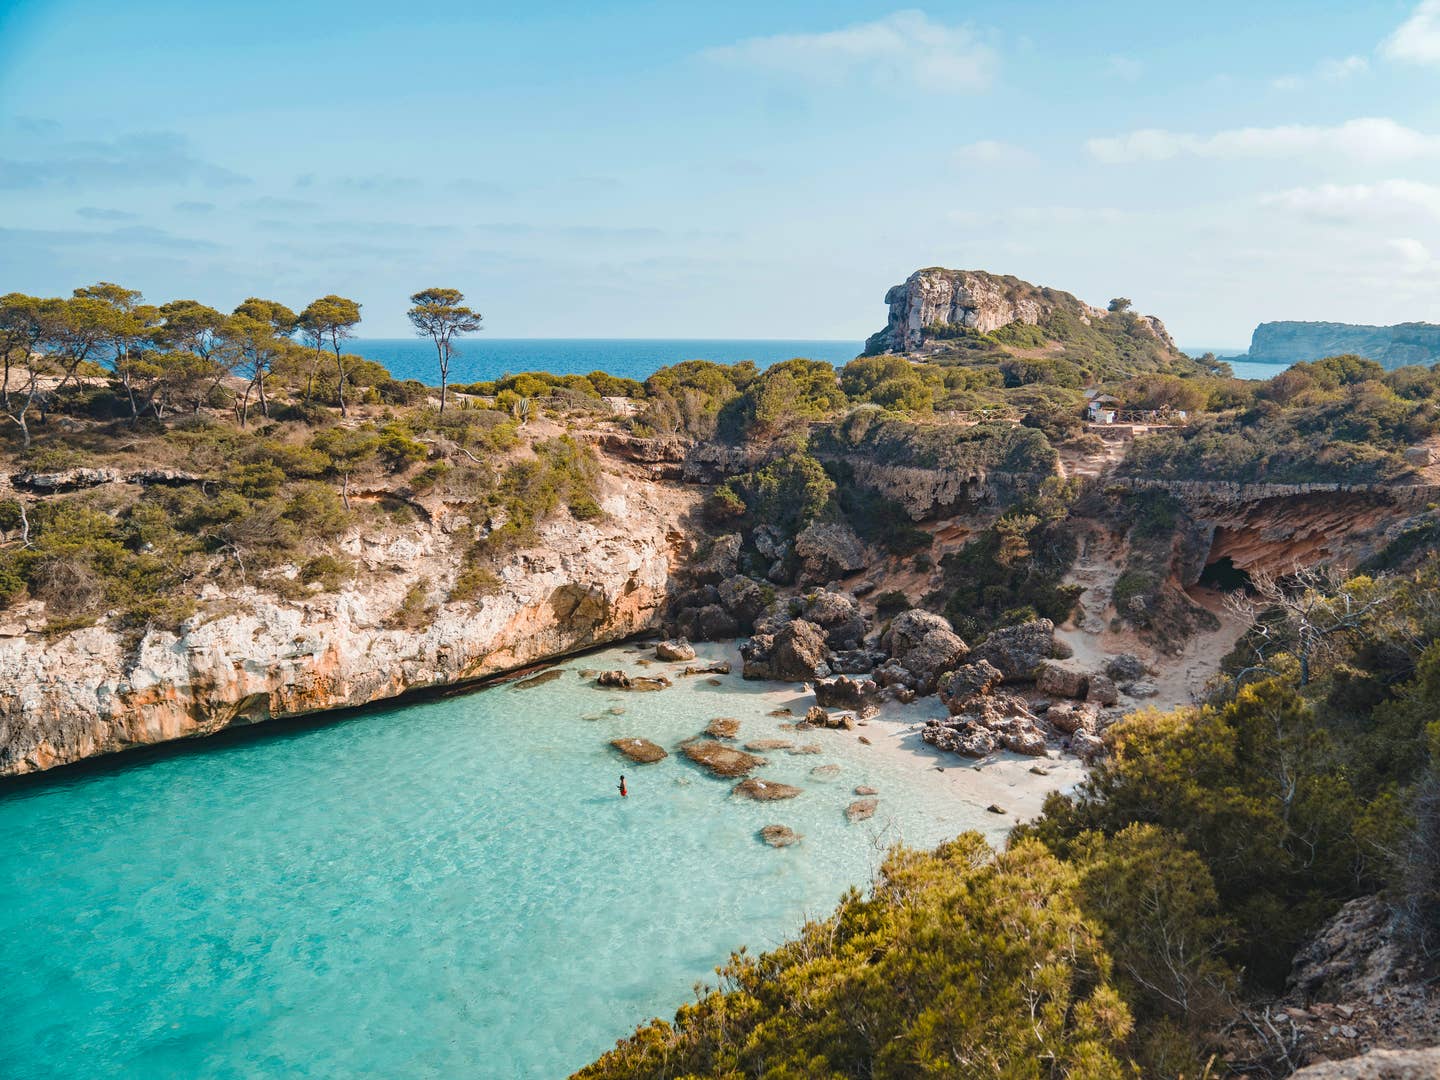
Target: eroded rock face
(844,692)
(1053,678)
(969,682)
(89,692)
(839,616)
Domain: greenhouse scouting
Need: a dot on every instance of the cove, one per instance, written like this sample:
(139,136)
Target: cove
(443,888)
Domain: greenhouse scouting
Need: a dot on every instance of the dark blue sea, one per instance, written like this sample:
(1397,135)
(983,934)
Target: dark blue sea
(481,358)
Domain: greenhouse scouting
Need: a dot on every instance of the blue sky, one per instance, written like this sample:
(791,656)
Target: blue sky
(739,170)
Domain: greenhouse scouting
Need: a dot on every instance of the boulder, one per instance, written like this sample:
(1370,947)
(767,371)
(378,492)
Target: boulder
(716,561)
(1054,678)
(1068,717)
(968,682)
(856,661)
(675,649)
(744,598)
(1126,667)
(796,654)
(771,542)
(723,727)
(710,622)
(1142,688)
(861,809)
(1101,691)
(780,835)
(909,628)
(893,673)
(838,615)
(938,652)
(617,680)
(843,692)
(721,760)
(640,751)
(1024,741)
(827,551)
(1016,651)
(1087,746)
(815,716)
(1406,1064)
(764,790)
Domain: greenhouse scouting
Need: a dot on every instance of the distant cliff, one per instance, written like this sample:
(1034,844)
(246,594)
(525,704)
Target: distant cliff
(1391,346)
(978,316)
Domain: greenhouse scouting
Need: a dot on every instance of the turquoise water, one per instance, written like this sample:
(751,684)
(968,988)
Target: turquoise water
(483,358)
(448,888)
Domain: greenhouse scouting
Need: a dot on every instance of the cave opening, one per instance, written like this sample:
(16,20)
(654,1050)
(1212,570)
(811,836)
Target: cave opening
(1224,576)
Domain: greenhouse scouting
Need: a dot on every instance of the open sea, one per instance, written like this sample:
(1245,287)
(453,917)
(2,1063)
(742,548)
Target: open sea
(481,358)
(448,888)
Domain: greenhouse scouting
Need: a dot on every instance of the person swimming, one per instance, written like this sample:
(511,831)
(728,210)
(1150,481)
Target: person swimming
(623,792)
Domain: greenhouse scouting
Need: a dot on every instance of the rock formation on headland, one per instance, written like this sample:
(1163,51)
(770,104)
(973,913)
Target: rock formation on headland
(935,299)
(1389,346)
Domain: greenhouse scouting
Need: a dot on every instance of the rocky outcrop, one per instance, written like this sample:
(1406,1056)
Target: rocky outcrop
(764,790)
(719,759)
(1390,346)
(250,656)
(973,299)
(936,300)
(1378,1065)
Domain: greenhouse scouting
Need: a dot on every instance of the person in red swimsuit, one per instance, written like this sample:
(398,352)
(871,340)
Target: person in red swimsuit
(623,792)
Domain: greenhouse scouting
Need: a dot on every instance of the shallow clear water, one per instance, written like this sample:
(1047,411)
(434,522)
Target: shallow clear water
(448,888)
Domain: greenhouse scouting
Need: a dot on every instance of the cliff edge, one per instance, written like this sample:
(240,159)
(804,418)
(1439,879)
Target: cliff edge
(1390,346)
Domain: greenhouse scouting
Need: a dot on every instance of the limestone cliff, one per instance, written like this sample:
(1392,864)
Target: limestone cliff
(932,299)
(1391,346)
(253,656)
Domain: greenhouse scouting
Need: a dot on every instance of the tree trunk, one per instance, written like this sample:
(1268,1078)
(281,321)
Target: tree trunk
(340,381)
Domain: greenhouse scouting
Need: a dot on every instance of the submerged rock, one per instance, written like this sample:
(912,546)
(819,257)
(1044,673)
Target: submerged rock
(806,748)
(539,680)
(718,667)
(769,744)
(825,772)
(864,789)
(764,790)
(723,727)
(780,835)
(641,751)
(861,809)
(721,760)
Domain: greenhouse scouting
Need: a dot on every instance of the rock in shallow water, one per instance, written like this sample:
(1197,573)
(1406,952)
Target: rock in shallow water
(825,772)
(675,649)
(539,680)
(721,760)
(861,809)
(723,727)
(780,835)
(764,790)
(640,751)
(769,744)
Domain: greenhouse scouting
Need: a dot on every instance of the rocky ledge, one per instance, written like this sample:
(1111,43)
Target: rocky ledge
(252,656)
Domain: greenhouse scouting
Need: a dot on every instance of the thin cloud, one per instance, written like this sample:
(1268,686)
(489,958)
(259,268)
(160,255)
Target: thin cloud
(1327,71)
(906,48)
(100,213)
(1349,204)
(1417,40)
(1125,68)
(992,152)
(152,158)
(1370,139)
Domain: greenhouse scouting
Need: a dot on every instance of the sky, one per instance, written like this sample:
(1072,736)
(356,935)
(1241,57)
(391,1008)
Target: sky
(745,170)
